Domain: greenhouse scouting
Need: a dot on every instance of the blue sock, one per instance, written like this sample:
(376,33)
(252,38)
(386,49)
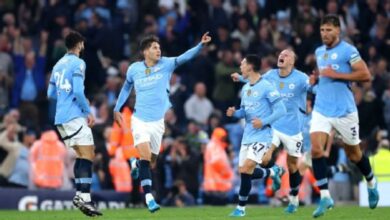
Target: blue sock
(145,176)
(85,175)
(320,172)
(365,167)
(77,174)
(295,180)
(245,188)
(260,173)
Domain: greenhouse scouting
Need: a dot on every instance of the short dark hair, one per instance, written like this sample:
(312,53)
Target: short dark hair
(147,41)
(331,19)
(255,61)
(72,39)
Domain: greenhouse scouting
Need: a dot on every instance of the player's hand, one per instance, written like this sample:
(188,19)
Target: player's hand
(230,111)
(329,72)
(118,118)
(205,38)
(235,77)
(90,120)
(256,123)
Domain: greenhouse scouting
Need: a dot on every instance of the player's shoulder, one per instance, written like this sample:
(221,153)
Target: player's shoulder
(267,83)
(345,44)
(270,73)
(301,75)
(320,49)
(134,66)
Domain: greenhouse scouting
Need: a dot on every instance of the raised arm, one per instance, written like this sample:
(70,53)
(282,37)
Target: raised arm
(191,53)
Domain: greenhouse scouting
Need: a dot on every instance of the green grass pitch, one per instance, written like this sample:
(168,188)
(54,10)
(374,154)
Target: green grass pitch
(204,213)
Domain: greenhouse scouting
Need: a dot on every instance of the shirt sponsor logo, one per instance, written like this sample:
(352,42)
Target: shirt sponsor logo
(148,80)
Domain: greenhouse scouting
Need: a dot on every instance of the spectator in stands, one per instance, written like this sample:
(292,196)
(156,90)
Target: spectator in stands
(198,107)
(11,145)
(29,80)
(6,73)
(20,176)
(224,93)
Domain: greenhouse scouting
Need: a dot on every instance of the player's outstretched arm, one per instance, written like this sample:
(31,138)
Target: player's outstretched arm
(191,53)
(236,77)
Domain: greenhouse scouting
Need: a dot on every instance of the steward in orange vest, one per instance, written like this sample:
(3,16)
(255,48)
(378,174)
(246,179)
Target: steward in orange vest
(47,158)
(218,173)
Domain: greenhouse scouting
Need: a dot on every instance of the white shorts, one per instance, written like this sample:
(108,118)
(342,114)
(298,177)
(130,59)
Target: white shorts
(253,151)
(292,144)
(306,159)
(151,132)
(76,133)
(347,126)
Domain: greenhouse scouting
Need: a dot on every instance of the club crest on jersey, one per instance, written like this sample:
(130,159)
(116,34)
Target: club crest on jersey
(325,56)
(248,92)
(291,86)
(148,71)
(333,56)
(281,85)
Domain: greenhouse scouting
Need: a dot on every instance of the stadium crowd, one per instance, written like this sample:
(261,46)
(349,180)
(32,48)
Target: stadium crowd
(200,146)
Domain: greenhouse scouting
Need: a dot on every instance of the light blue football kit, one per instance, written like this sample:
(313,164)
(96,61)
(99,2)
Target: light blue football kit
(151,85)
(334,97)
(66,85)
(334,105)
(293,90)
(261,101)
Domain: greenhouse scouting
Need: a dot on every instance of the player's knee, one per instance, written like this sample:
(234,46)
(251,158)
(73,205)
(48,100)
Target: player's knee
(292,167)
(244,169)
(354,156)
(247,168)
(265,161)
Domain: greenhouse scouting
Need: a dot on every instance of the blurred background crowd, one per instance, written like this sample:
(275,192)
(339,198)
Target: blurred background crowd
(198,160)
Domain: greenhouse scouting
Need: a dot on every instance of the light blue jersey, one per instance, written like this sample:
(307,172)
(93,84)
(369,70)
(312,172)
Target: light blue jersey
(151,85)
(67,87)
(334,97)
(261,101)
(306,133)
(293,89)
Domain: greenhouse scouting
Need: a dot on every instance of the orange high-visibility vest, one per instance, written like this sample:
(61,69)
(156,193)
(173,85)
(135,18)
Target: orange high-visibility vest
(218,173)
(120,172)
(47,158)
(122,137)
